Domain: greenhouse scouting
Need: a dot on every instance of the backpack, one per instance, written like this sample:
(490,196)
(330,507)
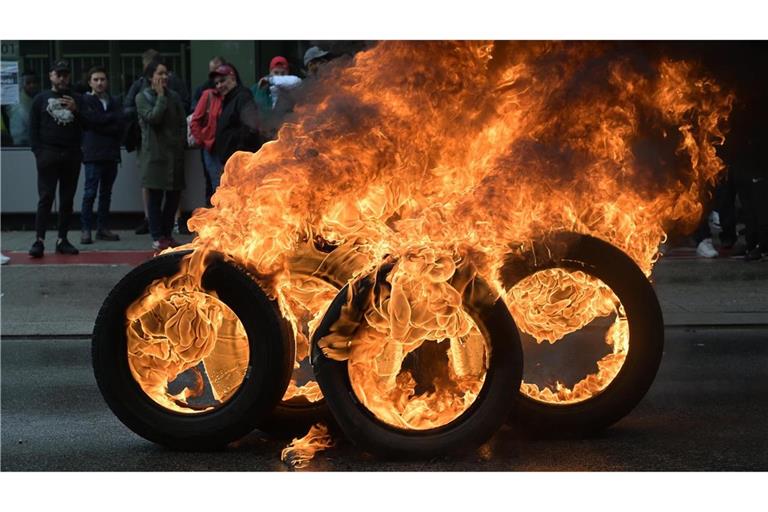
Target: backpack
(131,138)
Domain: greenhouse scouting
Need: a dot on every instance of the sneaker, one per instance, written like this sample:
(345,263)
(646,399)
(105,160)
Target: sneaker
(85,237)
(160,245)
(143,228)
(714,223)
(172,242)
(4,259)
(706,250)
(107,235)
(37,250)
(64,247)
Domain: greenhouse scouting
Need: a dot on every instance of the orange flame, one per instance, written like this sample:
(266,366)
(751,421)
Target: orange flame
(301,451)
(173,327)
(446,154)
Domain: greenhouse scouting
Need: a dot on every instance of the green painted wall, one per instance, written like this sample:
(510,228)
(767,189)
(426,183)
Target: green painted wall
(240,53)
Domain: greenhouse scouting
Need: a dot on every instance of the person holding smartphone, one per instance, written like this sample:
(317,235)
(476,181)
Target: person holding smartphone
(55,134)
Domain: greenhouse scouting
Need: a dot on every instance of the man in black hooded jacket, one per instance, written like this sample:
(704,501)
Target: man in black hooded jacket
(237,127)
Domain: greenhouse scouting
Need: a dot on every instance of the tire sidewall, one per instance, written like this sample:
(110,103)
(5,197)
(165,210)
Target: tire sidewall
(270,359)
(646,343)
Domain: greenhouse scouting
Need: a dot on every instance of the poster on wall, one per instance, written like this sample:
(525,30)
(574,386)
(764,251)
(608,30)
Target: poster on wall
(9,77)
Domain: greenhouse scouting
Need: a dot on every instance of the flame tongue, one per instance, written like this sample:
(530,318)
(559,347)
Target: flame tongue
(301,451)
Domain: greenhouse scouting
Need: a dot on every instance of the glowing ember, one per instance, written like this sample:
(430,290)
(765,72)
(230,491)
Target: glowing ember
(301,451)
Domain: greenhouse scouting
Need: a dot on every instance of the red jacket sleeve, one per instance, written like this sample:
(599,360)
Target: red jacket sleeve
(198,121)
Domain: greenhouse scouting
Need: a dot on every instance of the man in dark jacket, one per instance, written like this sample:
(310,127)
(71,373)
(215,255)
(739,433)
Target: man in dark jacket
(102,123)
(55,134)
(237,128)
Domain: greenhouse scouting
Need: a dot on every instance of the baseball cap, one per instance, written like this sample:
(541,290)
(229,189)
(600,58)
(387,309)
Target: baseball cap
(223,70)
(60,65)
(313,53)
(278,62)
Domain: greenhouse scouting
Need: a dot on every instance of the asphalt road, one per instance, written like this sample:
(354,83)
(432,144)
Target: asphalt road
(707,410)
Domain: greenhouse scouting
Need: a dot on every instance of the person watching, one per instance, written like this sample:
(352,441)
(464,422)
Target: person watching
(55,134)
(103,126)
(314,59)
(237,128)
(161,155)
(19,113)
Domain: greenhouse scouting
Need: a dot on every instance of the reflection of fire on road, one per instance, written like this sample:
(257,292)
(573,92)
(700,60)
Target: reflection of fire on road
(447,155)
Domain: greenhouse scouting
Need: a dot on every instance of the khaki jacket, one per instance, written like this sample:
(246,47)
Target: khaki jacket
(163,135)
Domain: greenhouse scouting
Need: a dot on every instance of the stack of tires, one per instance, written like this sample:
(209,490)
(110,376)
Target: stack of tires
(256,402)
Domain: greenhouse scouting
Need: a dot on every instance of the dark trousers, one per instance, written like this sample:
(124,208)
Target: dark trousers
(56,167)
(208,184)
(702,231)
(753,192)
(99,178)
(162,214)
(724,203)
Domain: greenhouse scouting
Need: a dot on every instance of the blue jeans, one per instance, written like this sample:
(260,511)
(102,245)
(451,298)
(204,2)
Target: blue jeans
(99,177)
(214,168)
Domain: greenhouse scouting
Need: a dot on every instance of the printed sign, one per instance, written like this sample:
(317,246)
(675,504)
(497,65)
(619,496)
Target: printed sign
(10,50)
(9,78)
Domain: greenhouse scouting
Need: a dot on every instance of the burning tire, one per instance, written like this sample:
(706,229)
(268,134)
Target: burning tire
(489,405)
(624,375)
(237,380)
(322,271)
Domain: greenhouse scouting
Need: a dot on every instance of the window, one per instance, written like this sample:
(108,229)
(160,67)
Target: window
(121,58)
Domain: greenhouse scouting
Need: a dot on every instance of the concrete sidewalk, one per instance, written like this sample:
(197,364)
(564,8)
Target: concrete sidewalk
(49,298)
(20,242)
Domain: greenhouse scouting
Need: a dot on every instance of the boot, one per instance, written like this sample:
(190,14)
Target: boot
(107,235)
(143,228)
(64,247)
